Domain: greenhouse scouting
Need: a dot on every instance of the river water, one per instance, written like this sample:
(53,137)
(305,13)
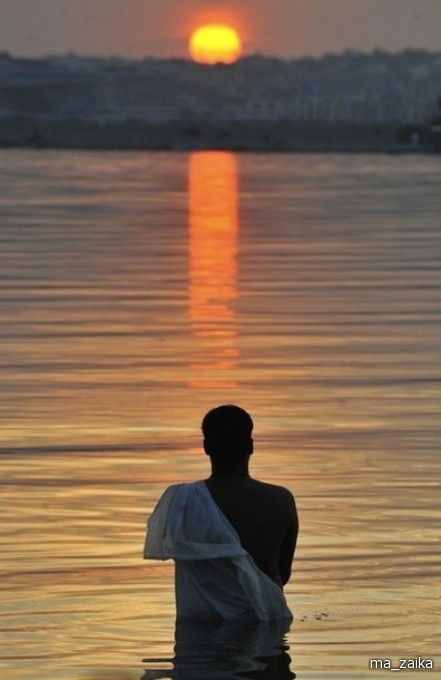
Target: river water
(140,290)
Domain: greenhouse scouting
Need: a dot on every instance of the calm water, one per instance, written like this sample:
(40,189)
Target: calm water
(140,290)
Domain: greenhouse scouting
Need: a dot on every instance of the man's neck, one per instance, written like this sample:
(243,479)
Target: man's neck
(239,469)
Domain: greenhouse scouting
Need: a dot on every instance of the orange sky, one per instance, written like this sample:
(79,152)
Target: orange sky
(287,28)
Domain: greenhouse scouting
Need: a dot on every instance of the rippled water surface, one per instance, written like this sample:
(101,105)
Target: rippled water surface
(140,290)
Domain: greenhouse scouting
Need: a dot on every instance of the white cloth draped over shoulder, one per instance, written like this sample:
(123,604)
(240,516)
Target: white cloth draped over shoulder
(214,576)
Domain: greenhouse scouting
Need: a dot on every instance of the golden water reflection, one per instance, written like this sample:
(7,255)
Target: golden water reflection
(213,245)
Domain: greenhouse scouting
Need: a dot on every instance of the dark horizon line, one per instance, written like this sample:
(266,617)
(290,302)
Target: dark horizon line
(5,54)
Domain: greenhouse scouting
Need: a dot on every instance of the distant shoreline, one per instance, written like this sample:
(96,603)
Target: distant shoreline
(191,135)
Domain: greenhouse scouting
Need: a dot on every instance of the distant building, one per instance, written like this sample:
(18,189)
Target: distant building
(369,89)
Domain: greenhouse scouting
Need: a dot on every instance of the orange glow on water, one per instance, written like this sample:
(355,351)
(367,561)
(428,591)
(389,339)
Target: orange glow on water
(213,227)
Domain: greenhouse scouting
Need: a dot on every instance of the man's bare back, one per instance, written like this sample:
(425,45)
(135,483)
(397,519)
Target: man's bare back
(263,515)
(265,518)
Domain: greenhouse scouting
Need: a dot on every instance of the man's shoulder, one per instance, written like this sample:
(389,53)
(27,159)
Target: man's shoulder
(275,501)
(274,491)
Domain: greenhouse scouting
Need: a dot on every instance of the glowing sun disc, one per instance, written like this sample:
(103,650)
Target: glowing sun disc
(215,43)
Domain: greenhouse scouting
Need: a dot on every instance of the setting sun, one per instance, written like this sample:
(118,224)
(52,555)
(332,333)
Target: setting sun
(215,43)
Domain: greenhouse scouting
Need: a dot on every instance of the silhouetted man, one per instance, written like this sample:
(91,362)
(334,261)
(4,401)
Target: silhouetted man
(231,536)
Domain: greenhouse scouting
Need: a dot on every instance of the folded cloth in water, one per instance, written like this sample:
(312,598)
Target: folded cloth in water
(215,577)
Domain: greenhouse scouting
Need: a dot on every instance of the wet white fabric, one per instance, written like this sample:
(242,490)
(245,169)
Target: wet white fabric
(215,576)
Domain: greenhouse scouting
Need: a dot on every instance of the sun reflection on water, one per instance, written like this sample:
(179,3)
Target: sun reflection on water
(213,245)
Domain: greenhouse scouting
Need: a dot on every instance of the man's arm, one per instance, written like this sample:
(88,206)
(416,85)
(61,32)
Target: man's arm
(288,547)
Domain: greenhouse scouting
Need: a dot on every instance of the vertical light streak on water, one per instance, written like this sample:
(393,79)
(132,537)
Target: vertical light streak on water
(213,243)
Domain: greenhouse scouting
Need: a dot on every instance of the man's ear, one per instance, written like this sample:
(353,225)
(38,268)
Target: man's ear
(206,447)
(251,449)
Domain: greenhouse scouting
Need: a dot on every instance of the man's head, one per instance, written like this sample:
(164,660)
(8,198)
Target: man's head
(227,434)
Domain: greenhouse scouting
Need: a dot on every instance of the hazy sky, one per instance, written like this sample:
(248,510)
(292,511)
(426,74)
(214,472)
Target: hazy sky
(288,28)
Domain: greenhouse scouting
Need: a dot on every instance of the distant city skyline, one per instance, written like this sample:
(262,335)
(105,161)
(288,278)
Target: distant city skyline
(281,28)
